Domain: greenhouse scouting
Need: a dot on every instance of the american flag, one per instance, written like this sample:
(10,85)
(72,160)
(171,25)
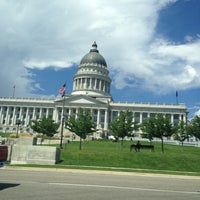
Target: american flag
(62,90)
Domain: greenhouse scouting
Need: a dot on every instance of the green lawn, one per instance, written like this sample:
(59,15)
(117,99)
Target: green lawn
(109,154)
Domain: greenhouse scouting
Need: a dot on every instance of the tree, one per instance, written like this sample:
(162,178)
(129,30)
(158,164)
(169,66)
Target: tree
(194,127)
(81,125)
(148,128)
(181,132)
(45,125)
(158,127)
(123,125)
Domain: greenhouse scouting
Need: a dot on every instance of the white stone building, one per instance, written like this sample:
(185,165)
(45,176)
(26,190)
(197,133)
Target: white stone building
(91,90)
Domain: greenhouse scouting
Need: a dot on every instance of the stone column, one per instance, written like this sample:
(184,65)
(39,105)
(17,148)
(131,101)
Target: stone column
(106,120)
(172,118)
(47,113)
(184,118)
(100,84)
(40,115)
(77,85)
(34,117)
(27,117)
(74,85)
(82,83)
(20,113)
(7,116)
(98,117)
(95,83)
(55,115)
(140,117)
(90,87)
(14,117)
(1,115)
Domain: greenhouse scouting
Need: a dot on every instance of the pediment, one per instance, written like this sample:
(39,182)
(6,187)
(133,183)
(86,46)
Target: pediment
(81,99)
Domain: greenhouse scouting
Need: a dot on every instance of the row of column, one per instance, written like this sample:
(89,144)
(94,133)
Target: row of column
(92,83)
(100,116)
(25,115)
(10,115)
(140,117)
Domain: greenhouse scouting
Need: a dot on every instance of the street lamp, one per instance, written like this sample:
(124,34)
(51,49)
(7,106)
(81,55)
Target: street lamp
(18,122)
(61,132)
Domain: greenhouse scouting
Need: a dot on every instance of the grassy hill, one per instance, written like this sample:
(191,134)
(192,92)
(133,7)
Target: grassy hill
(107,154)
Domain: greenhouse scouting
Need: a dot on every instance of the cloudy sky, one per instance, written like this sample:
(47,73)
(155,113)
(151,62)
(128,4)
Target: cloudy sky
(151,47)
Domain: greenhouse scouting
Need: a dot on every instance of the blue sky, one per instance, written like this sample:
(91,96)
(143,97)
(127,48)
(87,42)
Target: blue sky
(151,47)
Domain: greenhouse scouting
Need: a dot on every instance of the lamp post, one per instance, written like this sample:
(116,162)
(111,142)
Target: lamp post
(61,132)
(18,122)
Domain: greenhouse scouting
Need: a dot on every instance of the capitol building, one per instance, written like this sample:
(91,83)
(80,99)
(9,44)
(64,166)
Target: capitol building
(91,90)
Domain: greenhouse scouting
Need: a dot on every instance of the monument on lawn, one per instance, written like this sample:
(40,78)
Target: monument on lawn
(26,151)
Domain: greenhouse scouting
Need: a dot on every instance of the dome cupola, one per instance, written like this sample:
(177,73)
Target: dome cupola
(92,77)
(93,57)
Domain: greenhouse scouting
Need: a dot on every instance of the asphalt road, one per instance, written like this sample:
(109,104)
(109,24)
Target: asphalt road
(52,184)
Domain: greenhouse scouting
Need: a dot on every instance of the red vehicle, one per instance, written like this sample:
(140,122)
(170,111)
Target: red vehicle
(3,154)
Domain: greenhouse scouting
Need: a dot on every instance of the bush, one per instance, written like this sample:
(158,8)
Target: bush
(25,135)
(4,134)
(14,135)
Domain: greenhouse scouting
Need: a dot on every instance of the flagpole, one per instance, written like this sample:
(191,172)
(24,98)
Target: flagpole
(62,123)
(62,92)
(176,97)
(13,91)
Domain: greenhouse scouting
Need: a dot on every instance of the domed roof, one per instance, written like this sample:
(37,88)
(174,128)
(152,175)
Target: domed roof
(93,57)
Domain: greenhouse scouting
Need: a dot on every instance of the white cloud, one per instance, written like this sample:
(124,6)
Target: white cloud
(39,34)
(187,52)
(37,85)
(197,113)
(188,38)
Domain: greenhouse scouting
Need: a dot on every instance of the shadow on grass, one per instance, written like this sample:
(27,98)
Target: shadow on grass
(60,161)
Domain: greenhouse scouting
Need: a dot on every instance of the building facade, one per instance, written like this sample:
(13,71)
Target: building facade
(91,90)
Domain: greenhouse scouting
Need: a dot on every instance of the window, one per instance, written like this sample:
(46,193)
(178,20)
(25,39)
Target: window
(88,82)
(102,112)
(176,119)
(44,110)
(93,82)
(137,117)
(51,111)
(95,112)
(152,115)
(97,87)
(115,114)
(144,116)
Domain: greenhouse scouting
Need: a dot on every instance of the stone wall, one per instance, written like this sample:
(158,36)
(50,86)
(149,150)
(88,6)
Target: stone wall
(25,151)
